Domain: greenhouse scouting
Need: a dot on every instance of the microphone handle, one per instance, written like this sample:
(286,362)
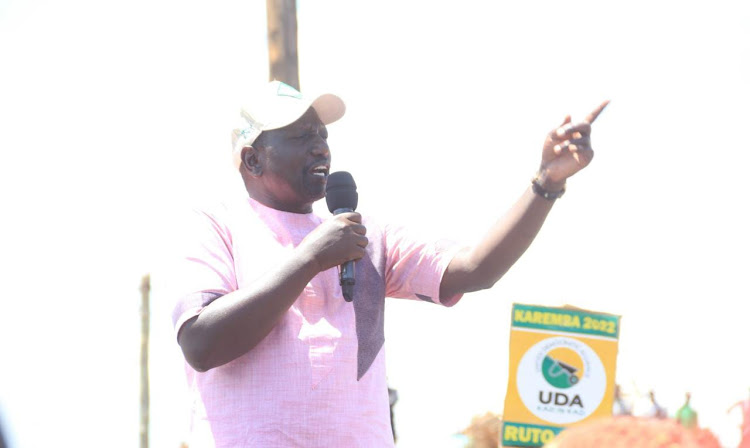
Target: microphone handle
(346,278)
(346,272)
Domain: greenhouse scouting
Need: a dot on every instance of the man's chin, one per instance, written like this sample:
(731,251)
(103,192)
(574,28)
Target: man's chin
(311,198)
(316,192)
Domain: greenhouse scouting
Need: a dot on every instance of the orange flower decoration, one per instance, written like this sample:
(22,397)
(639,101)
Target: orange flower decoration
(628,432)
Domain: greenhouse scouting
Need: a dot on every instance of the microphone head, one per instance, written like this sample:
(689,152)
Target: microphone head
(341,191)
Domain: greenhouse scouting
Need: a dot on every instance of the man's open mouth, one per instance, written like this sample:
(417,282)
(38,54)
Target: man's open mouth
(320,171)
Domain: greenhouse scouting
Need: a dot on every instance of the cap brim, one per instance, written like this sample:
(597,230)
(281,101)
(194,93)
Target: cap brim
(329,107)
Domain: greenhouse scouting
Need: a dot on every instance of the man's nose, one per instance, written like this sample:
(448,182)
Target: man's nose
(321,148)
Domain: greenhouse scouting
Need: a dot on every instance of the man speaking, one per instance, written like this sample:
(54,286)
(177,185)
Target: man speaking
(275,356)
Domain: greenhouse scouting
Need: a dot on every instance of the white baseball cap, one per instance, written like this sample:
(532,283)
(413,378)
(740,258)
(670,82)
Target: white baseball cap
(275,106)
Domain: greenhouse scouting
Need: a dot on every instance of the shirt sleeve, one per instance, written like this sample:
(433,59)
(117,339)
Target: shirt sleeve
(204,269)
(415,268)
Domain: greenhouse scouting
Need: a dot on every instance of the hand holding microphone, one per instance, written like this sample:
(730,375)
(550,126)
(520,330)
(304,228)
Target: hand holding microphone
(342,197)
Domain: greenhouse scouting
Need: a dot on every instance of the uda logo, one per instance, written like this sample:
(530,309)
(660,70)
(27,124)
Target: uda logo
(561,380)
(562,367)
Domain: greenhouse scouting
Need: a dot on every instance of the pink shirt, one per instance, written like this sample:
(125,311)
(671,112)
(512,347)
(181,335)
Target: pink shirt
(299,386)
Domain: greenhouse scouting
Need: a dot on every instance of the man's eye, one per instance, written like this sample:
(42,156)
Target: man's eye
(311,134)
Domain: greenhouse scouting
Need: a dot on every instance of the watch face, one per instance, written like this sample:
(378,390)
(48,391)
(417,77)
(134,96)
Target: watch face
(550,195)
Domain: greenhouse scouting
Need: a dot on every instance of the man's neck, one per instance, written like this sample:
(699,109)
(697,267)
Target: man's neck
(270,202)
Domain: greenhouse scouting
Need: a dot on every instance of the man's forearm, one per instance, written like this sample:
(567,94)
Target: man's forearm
(233,324)
(566,150)
(485,263)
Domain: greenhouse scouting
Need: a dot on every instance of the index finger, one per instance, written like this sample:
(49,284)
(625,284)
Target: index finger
(352,216)
(592,116)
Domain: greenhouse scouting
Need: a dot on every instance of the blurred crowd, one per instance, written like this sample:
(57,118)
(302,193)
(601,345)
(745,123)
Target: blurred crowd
(685,415)
(647,425)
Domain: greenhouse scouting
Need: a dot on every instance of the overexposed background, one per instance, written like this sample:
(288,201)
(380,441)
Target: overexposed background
(115,116)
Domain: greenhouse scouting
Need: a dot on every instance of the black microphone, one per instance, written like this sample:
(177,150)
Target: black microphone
(341,197)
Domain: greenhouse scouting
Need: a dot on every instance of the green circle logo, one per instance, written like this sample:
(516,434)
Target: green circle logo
(562,367)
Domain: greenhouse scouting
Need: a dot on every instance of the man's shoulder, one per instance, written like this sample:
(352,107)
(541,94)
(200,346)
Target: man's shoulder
(220,206)
(217,214)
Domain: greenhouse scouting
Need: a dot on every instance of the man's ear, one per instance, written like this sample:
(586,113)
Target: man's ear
(251,161)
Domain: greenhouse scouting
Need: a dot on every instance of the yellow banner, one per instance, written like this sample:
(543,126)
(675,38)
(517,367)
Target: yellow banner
(562,371)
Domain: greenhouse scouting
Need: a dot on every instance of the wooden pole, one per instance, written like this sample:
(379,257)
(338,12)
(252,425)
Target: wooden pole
(282,41)
(145,322)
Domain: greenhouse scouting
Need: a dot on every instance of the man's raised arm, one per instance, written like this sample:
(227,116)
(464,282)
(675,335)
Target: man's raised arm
(567,150)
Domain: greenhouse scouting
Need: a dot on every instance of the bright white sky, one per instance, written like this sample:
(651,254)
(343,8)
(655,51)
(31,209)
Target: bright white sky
(115,115)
